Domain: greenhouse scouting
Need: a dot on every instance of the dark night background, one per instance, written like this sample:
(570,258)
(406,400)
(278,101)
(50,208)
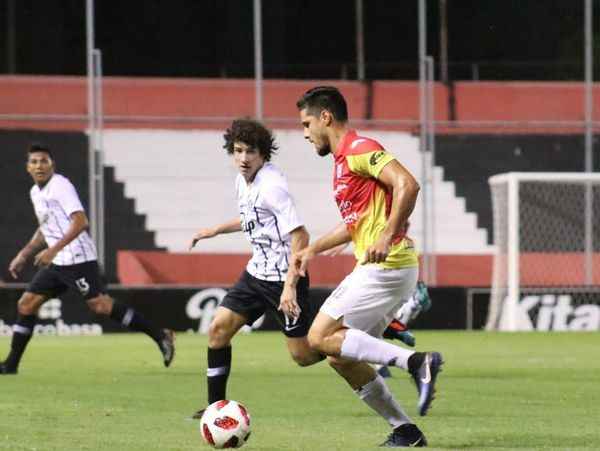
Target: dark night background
(487,39)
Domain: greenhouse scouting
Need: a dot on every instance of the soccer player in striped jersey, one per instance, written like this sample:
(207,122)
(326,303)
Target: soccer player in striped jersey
(69,259)
(375,195)
(269,220)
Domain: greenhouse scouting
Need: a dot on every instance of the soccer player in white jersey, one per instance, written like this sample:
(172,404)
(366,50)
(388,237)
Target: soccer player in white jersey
(269,220)
(69,259)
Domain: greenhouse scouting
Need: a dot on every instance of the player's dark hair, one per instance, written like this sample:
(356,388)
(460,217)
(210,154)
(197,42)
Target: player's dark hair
(322,98)
(39,147)
(253,134)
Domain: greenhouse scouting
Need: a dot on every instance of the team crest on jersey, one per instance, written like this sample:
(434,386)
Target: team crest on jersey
(376,157)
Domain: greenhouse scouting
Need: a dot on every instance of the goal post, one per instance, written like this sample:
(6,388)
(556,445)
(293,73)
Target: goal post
(546,269)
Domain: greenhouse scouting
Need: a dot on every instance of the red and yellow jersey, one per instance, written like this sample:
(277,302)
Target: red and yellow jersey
(364,202)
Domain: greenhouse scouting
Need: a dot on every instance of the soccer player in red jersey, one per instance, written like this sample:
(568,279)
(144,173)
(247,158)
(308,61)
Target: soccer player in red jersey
(375,195)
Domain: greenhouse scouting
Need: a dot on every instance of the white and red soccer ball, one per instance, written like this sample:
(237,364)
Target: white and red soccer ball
(225,424)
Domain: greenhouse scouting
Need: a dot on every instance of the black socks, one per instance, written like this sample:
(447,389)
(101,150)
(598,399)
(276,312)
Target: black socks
(133,320)
(415,361)
(22,331)
(219,366)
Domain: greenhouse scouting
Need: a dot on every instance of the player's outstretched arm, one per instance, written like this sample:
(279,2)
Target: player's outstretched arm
(233,225)
(17,263)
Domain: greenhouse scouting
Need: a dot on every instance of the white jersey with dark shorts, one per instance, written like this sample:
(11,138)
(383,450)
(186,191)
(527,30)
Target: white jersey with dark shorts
(76,264)
(268,216)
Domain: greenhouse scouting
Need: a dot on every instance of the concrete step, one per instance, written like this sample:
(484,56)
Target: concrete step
(184,180)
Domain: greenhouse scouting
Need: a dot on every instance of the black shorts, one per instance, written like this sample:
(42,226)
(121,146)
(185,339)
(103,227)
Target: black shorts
(55,280)
(251,297)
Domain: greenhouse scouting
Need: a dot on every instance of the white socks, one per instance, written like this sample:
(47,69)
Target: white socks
(377,395)
(361,346)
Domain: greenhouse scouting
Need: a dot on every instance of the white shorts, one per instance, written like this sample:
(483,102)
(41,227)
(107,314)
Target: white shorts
(369,296)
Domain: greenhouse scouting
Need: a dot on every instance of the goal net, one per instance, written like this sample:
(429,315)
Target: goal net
(546,273)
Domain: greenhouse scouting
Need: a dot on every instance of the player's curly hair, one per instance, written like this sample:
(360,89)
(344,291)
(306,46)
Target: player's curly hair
(253,134)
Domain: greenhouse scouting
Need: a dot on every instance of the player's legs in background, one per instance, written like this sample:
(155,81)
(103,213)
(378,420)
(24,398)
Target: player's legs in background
(398,331)
(130,318)
(418,301)
(27,308)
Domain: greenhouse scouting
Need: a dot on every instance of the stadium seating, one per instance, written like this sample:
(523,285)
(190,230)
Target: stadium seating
(184,180)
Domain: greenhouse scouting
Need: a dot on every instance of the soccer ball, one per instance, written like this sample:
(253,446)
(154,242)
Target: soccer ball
(225,424)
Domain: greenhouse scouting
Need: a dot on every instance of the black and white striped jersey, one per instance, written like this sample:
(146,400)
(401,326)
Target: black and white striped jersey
(54,204)
(268,216)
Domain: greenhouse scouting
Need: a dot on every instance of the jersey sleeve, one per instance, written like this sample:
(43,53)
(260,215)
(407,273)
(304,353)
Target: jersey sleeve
(66,195)
(282,204)
(369,164)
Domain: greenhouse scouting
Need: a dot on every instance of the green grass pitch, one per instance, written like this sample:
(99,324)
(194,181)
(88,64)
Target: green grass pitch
(527,391)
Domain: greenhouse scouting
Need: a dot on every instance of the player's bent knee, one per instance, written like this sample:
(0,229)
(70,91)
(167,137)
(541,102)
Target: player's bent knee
(303,361)
(307,357)
(25,308)
(30,303)
(301,352)
(219,334)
